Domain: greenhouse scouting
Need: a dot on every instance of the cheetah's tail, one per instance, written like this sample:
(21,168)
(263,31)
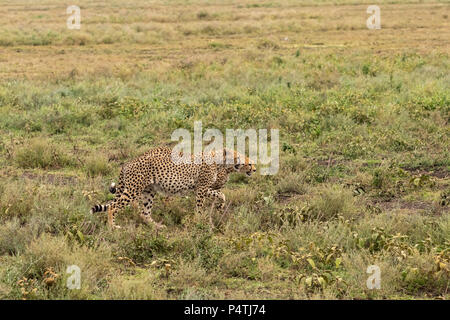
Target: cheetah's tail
(104,207)
(112,188)
(99,208)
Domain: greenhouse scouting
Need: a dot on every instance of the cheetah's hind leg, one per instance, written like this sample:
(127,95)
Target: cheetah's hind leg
(147,198)
(111,217)
(120,201)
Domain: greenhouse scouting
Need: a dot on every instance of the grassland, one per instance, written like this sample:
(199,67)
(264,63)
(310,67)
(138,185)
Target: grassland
(364,169)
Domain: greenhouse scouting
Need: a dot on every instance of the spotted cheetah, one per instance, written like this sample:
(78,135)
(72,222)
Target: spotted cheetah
(156,172)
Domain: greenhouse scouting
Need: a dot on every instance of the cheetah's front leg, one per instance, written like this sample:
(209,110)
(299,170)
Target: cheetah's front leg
(219,196)
(200,195)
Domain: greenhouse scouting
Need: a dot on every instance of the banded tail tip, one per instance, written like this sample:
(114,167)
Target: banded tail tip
(98,208)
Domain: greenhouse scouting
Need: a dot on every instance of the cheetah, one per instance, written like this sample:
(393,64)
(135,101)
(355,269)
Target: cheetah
(156,172)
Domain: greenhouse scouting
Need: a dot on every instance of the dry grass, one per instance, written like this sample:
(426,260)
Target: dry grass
(122,40)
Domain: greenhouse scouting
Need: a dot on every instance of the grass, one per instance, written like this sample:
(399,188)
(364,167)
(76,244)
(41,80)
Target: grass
(364,159)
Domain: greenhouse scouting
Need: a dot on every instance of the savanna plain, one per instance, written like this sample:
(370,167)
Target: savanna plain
(363,118)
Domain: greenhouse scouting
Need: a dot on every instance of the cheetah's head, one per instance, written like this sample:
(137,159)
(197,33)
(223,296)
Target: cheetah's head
(240,162)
